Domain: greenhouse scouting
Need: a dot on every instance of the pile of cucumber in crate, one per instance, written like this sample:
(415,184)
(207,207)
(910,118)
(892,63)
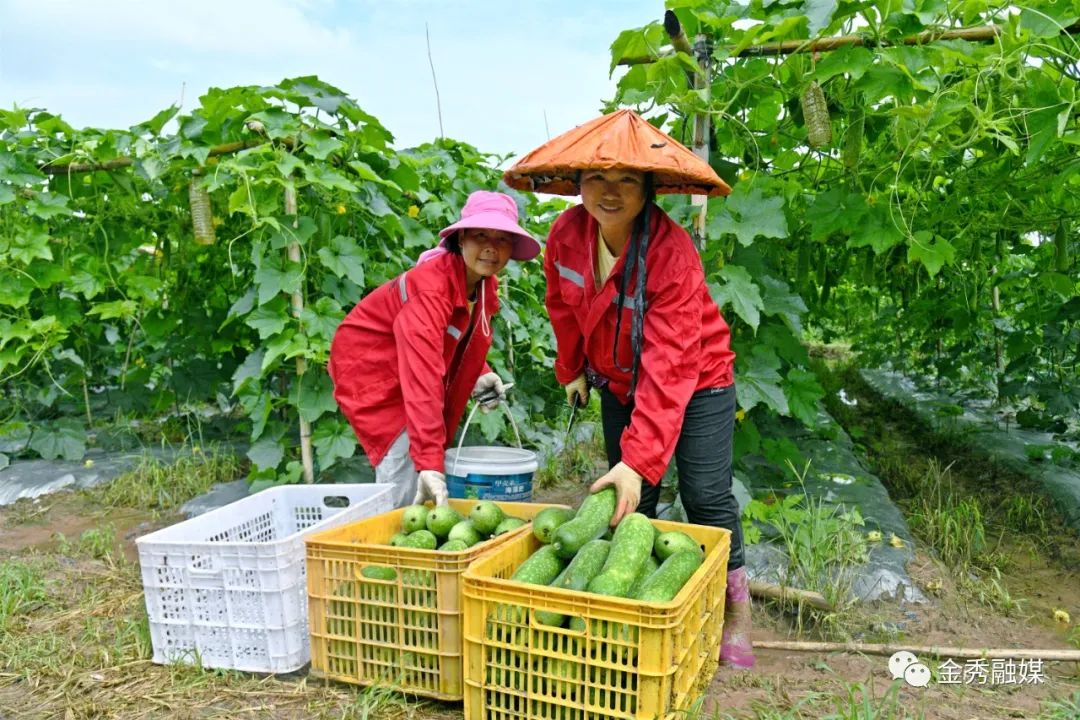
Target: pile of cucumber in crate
(578,621)
(637,562)
(425,528)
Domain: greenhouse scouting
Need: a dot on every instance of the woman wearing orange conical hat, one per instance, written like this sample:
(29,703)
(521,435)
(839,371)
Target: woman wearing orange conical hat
(633,318)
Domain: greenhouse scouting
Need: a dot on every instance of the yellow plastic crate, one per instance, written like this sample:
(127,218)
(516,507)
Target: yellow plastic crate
(403,633)
(632,660)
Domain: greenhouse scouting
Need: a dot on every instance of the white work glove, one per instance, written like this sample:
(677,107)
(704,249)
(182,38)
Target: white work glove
(489,382)
(430,485)
(627,489)
(578,386)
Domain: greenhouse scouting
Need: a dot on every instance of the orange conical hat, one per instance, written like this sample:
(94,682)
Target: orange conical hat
(619,140)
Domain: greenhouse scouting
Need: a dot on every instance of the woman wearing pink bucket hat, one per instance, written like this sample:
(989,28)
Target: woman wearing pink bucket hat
(407,358)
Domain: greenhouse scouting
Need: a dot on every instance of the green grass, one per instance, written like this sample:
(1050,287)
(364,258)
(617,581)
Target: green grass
(98,543)
(22,590)
(824,545)
(157,485)
(1065,709)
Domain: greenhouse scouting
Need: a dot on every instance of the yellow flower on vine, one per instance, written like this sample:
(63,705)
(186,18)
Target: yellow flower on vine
(740,415)
(413,211)
(1061,616)
(340,209)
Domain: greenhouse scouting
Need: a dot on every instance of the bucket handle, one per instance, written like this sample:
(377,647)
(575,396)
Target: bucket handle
(465,431)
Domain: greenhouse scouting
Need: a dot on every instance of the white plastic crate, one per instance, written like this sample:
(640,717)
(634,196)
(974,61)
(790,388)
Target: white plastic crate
(228,589)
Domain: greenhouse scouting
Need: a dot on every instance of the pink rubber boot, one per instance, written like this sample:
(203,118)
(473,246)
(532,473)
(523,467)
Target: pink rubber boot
(735,647)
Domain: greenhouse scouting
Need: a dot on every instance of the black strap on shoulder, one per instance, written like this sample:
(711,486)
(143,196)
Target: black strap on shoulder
(635,265)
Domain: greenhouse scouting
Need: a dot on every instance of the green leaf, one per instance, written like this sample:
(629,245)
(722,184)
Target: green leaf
(114,309)
(269,319)
(779,300)
(319,144)
(277,123)
(759,383)
(932,251)
(325,177)
(85,284)
(287,163)
(344,258)
(1047,21)
(156,123)
(64,438)
(416,235)
(748,214)
(491,424)
(272,282)
(15,289)
(266,452)
(285,345)
(333,440)
(7,194)
(819,14)
(30,245)
(639,42)
(876,230)
(803,393)
(323,319)
(836,211)
(740,293)
(313,394)
(14,437)
(242,306)
(46,205)
(250,369)
(847,60)
(1061,284)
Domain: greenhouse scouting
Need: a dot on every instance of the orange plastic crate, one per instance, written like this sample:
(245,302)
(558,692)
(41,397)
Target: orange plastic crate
(405,632)
(632,661)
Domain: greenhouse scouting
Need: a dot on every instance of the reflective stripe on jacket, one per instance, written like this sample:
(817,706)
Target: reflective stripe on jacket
(397,359)
(687,344)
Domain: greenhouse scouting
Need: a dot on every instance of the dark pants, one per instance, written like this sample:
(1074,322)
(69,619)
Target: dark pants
(702,458)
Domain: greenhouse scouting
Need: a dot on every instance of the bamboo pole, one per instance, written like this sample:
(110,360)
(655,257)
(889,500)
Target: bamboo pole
(946,651)
(789,594)
(702,82)
(71,168)
(788,47)
(301,362)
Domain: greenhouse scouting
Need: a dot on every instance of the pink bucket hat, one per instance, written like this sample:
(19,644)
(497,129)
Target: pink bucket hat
(494,211)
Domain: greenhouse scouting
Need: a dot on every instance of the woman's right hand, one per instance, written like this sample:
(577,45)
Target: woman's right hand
(579,386)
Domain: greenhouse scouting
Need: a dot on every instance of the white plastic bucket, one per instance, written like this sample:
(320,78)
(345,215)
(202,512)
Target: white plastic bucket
(487,472)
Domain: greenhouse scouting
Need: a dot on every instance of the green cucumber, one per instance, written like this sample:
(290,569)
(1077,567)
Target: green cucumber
(664,584)
(421,539)
(583,568)
(510,523)
(631,546)
(669,543)
(379,572)
(453,546)
(651,565)
(540,568)
(548,520)
(592,519)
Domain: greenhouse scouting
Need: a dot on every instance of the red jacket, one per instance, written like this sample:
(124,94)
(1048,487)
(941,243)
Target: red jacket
(686,344)
(398,362)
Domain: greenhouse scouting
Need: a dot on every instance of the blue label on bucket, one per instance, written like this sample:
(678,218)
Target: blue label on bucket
(474,486)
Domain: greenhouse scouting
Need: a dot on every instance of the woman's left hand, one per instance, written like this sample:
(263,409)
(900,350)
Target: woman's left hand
(627,489)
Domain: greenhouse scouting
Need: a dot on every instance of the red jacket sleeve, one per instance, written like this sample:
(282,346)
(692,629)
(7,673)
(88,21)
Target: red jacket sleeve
(419,329)
(569,343)
(668,372)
